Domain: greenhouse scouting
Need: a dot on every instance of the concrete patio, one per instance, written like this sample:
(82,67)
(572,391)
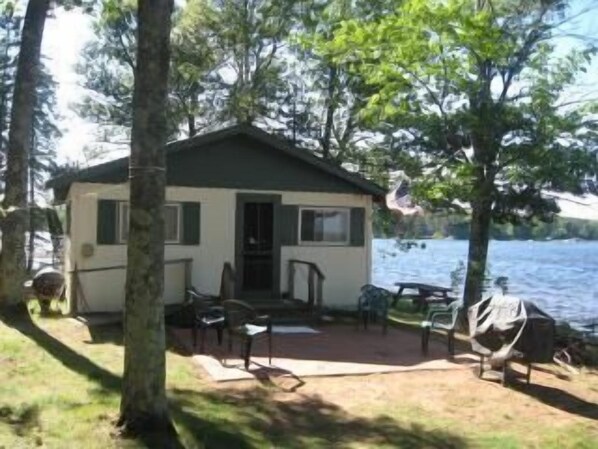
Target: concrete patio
(336,350)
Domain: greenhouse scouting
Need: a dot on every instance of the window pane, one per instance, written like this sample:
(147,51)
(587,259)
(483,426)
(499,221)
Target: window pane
(335,226)
(251,226)
(171,223)
(318,226)
(324,225)
(307,225)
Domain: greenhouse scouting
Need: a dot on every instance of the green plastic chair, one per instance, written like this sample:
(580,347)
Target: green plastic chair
(442,318)
(243,322)
(372,305)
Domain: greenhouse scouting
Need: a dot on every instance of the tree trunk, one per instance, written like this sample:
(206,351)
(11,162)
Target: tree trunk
(479,237)
(12,263)
(143,409)
(31,248)
(191,125)
(330,106)
(193,109)
(4,90)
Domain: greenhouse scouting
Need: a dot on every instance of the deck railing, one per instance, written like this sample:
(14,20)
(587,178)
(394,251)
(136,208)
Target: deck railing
(315,284)
(75,289)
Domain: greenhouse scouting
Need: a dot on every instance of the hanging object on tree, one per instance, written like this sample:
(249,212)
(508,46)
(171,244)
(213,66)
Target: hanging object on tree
(399,199)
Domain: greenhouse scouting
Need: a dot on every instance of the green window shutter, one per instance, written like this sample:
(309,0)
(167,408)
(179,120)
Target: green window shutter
(357,226)
(107,222)
(191,223)
(289,225)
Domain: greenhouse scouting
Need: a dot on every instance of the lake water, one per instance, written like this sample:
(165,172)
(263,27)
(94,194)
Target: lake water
(559,276)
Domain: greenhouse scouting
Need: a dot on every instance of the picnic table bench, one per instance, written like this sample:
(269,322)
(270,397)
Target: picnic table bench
(426,294)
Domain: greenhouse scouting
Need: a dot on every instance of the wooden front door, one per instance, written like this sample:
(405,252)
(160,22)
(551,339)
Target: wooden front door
(258,246)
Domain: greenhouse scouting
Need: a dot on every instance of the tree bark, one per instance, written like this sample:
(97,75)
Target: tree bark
(143,409)
(330,107)
(479,238)
(192,109)
(191,125)
(31,249)
(12,263)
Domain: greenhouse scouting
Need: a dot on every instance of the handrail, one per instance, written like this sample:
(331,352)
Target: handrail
(75,286)
(122,267)
(312,265)
(315,281)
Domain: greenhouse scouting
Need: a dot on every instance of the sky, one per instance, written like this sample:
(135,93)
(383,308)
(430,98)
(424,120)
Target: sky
(67,32)
(64,37)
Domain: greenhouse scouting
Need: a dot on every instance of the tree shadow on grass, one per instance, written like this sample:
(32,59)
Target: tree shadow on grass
(560,399)
(306,422)
(105,333)
(78,363)
(23,421)
(71,359)
(248,418)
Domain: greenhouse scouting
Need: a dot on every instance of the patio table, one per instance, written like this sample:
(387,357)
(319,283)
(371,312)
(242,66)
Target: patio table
(426,293)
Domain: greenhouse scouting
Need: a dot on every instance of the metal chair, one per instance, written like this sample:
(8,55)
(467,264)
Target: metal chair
(441,318)
(372,305)
(243,322)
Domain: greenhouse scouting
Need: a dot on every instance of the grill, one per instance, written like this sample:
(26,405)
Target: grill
(504,328)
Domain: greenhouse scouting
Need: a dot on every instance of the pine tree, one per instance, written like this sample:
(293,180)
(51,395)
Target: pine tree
(144,409)
(14,224)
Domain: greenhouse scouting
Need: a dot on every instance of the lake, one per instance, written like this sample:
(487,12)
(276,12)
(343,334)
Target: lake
(559,276)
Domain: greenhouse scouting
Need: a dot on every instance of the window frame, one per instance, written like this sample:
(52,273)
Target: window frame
(344,210)
(179,223)
(119,224)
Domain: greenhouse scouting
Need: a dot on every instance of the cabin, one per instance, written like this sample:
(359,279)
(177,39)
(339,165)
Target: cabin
(278,214)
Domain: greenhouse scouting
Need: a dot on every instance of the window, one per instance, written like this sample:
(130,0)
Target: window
(172,213)
(324,226)
(172,220)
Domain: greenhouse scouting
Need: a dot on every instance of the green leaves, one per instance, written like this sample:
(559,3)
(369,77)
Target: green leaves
(478,94)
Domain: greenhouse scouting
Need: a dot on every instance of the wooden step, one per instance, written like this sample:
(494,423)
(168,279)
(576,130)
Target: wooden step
(284,311)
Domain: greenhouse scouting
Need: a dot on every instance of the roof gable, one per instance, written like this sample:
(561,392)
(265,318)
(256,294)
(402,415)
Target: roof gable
(241,157)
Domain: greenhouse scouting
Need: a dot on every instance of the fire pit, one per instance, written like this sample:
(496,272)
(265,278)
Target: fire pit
(47,284)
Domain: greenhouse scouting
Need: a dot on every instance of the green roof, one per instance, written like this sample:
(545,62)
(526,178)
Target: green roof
(112,172)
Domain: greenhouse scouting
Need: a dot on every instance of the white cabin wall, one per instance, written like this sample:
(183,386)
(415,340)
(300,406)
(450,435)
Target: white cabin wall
(104,291)
(346,268)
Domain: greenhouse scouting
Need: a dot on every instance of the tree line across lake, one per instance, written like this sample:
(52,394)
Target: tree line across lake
(440,226)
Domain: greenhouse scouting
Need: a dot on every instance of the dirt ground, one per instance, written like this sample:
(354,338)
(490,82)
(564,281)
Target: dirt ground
(555,400)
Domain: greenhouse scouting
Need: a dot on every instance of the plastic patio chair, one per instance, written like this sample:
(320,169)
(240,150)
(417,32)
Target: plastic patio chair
(207,309)
(206,315)
(372,305)
(441,318)
(243,322)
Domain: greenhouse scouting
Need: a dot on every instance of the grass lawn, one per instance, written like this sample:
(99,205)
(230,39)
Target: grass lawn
(59,388)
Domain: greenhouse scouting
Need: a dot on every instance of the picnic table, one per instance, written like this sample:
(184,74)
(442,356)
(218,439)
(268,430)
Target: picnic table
(426,293)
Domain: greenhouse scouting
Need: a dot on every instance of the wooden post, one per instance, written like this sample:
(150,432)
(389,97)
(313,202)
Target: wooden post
(311,287)
(188,264)
(320,294)
(291,282)
(72,292)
